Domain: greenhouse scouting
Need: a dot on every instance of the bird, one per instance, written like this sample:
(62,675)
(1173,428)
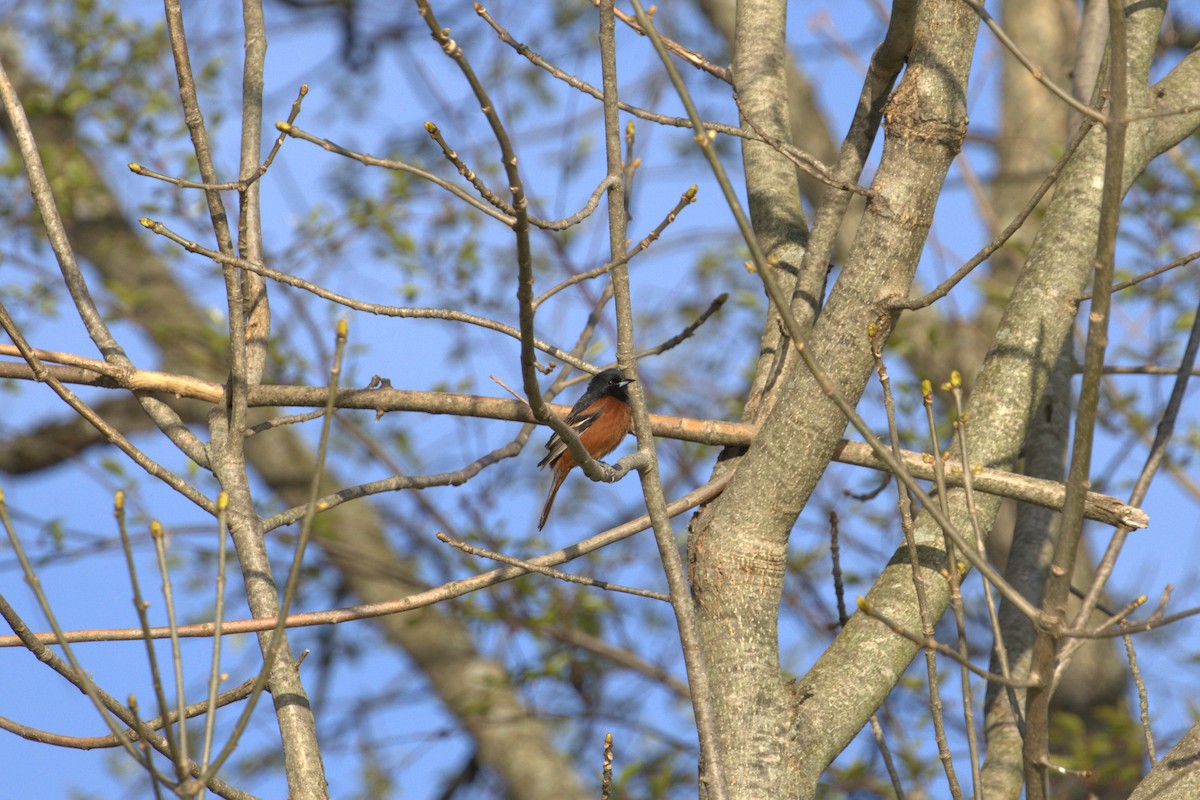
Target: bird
(601,418)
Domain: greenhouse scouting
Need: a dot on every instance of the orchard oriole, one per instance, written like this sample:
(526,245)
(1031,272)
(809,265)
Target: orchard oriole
(601,419)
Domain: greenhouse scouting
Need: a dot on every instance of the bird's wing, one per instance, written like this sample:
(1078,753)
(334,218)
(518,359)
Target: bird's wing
(579,423)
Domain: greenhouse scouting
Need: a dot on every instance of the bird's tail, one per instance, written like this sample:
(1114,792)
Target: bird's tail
(558,481)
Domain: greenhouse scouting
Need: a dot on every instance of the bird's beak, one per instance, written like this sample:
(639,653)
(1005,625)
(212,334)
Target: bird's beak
(627,381)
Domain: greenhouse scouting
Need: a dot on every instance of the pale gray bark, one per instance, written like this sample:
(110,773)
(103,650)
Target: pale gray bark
(738,547)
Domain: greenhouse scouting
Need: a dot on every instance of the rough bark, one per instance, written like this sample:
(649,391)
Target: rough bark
(1177,774)
(737,548)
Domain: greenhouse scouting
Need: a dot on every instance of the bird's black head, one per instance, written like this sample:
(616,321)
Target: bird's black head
(610,383)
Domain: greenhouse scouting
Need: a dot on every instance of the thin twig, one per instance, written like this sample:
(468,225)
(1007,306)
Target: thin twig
(839,592)
(954,580)
(398,166)
(140,606)
(690,56)
(155,785)
(160,551)
(1037,72)
(357,305)
(229,186)
(977,533)
(1143,702)
(281,421)
(806,163)
(1123,285)
(868,608)
(466,172)
(214,675)
(687,332)
(1045,648)
(686,199)
(144,749)
(491,197)
(1145,369)
(528,566)
(905,507)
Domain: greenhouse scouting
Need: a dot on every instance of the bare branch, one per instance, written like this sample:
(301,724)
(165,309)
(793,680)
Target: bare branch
(558,575)
(358,305)
(1034,70)
(685,200)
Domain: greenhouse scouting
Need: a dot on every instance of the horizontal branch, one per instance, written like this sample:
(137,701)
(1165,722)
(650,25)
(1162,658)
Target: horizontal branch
(1036,491)
(717,433)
